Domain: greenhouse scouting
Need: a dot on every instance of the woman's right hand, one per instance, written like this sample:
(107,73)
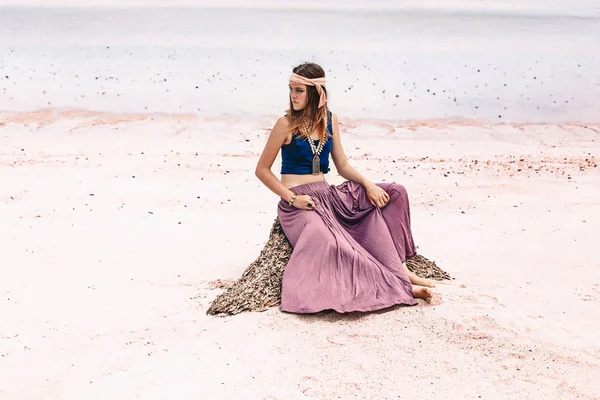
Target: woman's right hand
(304,202)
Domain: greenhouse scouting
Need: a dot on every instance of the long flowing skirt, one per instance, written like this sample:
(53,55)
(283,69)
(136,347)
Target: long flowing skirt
(347,254)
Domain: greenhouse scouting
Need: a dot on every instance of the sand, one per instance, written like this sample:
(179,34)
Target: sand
(111,239)
(128,142)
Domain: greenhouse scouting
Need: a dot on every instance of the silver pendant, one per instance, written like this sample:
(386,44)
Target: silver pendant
(316,165)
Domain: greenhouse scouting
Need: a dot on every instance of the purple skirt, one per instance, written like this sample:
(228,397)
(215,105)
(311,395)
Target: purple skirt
(347,253)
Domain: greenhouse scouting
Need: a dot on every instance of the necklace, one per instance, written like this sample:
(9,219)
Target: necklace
(316,150)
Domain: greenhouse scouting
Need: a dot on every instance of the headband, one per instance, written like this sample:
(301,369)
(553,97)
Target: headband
(317,82)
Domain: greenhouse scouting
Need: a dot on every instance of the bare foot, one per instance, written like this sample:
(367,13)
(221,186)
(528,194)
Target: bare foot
(421,281)
(416,279)
(420,292)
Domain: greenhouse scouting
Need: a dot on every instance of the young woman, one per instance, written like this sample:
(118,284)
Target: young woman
(350,241)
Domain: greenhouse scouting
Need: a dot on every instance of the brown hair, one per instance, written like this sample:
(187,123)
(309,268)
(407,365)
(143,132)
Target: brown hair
(310,114)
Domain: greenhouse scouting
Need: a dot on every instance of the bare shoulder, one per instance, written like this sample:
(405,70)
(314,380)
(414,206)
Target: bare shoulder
(335,123)
(281,127)
(282,123)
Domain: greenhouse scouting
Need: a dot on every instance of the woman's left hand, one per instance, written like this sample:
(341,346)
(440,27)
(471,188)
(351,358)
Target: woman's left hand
(376,195)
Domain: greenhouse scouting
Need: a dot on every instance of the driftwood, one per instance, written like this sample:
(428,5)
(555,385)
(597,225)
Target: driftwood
(259,287)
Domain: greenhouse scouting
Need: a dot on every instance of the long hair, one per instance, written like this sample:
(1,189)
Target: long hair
(311,114)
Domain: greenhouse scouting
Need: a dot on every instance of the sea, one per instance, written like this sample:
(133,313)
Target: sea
(497,62)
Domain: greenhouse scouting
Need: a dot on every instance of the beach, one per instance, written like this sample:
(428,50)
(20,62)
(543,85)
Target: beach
(128,142)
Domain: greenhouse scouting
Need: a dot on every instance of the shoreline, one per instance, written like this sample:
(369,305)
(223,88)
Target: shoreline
(51,115)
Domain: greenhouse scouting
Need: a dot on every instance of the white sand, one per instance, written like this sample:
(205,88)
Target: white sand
(105,277)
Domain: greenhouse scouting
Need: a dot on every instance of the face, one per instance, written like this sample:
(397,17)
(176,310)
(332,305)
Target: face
(298,96)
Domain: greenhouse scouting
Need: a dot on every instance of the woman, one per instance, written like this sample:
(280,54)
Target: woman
(349,241)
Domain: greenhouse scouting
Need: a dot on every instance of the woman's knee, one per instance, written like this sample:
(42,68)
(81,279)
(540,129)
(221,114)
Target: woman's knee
(398,188)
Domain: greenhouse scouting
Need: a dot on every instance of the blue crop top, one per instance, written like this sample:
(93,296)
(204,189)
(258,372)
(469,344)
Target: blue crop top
(296,156)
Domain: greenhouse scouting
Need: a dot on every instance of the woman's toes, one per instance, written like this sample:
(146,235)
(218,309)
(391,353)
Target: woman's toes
(421,292)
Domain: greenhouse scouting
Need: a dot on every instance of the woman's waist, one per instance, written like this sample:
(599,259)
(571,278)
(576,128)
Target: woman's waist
(292,180)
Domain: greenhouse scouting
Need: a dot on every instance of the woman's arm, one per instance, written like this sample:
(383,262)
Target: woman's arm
(265,162)
(339,157)
(377,196)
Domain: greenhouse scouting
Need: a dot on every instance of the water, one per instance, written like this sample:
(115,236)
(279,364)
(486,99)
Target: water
(401,64)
